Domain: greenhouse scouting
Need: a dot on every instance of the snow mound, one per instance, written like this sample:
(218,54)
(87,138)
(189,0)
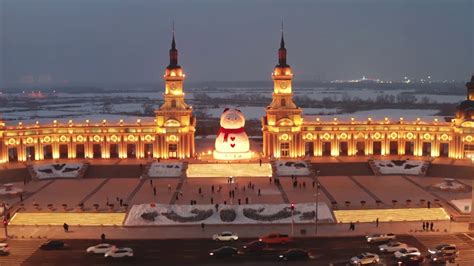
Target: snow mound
(64,170)
(463,205)
(400,167)
(169,169)
(288,168)
(262,213)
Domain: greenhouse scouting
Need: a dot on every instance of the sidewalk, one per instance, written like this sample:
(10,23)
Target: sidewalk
(244,231)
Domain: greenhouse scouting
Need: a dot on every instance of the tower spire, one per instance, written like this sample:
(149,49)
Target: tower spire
(282,51)
(173,51)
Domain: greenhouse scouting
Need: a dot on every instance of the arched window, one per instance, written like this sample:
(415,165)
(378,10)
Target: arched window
(173,104)
(283,102)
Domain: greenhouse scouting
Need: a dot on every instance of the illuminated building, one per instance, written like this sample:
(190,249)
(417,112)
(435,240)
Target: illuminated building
(288,134)
(169,135)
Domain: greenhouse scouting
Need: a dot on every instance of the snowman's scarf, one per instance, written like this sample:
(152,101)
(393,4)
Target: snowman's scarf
(227,131)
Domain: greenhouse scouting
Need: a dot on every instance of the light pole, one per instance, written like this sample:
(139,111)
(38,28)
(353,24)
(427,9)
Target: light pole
(292,219)
(471,220)
(317,200)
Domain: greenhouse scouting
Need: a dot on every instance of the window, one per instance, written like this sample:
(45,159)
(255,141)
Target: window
(285,149)
(173,104)
(283,102)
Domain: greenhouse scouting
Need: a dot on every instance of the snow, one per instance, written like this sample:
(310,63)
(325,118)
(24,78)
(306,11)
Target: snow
(450,184)
(388,167)
(165,169)
(134,219)
(288,168)
(463,205)
(60,173)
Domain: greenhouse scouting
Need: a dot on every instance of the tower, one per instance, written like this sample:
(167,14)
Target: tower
(282,122)
(175,121)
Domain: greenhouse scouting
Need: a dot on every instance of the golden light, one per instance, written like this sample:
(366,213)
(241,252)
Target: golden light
(469,138)
(388,215)
(131,138)
(114,138)
(72,218)
(96,138)
(29,140)
(47,139)
(284,137)
(80,138)
(232,169)
(63,138)
(393,135)
(11,141)
(173,138)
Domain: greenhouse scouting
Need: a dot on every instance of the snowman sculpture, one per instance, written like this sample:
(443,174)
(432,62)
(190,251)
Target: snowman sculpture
(232,143)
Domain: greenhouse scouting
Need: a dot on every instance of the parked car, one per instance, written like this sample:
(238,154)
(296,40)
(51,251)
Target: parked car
(223,252)
(447,249)
(275,239)
(100,248)
(406,251)
(294,254)
(119,253)
(392,246)
(443,258)
(53,245)
(254,246)
(225,236)
(4,249)
(365,258)
(376,238)
(411,260)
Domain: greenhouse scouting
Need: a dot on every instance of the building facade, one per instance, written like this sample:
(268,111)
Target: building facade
(169,135)
(289,134)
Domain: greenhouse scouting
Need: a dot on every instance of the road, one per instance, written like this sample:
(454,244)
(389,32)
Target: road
(326,251)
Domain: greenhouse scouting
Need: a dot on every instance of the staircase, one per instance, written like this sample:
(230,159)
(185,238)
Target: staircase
(146,170)
(31,171)
(184,170)
(424,168)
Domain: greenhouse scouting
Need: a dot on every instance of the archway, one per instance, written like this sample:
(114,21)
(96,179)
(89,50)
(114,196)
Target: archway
(30,153)
(13,154)
(80,151)
(63,151)
(96,151)
(48,152)
(131,150)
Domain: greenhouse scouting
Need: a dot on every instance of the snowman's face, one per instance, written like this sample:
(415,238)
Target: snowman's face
(232,119)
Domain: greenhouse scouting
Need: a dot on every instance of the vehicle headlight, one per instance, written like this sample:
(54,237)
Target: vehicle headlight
(211,254)
(382,249)
(431,251)
(435,259)
(281,256)
(260,239)
(369,239)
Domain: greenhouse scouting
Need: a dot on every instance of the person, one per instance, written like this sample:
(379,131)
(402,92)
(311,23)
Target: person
(199,190)
(377,222)
(304,184)
(431,226)
(429,204)
(350,226)
(259,192)
(270,179)
(424,226)
(212,200)
(102,237)
(66,227)
(314,183)
(260,162)
(212,188)
(151,182)
(154,191)
(121,202)
(21,197)
(217,207)
(141,166)
(202,226)
(239,201)
(169,187)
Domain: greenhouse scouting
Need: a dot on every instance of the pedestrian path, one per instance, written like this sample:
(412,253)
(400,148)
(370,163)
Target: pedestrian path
(377,199)
(94,191)
(283,193)
(134,192)
(20,251)
(178,189)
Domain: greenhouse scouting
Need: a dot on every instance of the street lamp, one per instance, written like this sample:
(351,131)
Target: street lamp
(317,200)
(292,219)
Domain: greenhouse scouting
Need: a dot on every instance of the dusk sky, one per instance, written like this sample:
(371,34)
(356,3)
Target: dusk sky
(112,41)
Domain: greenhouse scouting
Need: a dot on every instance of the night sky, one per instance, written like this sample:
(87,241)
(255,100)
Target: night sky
(113,41)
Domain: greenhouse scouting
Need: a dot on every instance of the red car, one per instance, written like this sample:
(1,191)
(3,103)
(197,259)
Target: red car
(275,239)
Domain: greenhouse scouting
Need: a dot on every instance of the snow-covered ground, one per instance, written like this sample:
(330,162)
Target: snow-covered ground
(400,167)
(134,217)
(288,168)
(463,205)
(171,169)
(229,169)
(68,170)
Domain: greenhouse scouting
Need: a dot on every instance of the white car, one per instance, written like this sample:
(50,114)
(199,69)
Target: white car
(119,253)
(4,248)
(392,246)
(100,249)
(365,258)
(374,238)
(406,251)
(225,236)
